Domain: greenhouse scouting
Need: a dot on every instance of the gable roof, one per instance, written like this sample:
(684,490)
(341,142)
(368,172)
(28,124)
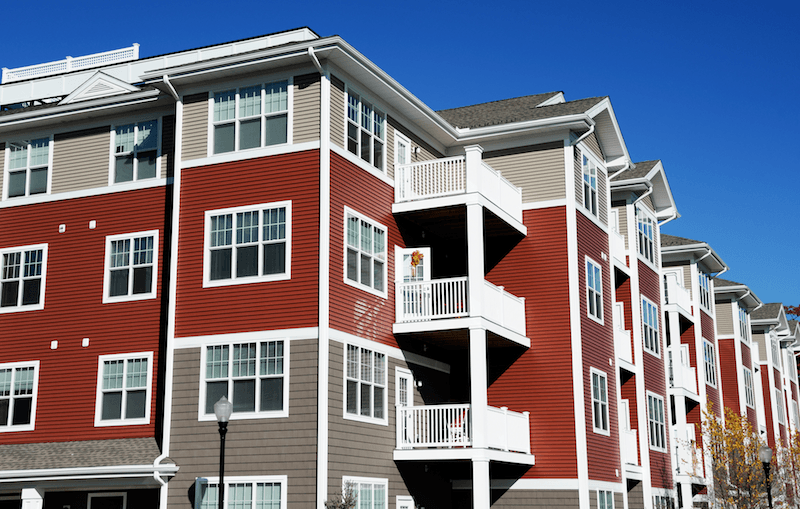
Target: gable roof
(740,291)
(719,282)
(672,240)
(641,170)
(771,311)
(518,109)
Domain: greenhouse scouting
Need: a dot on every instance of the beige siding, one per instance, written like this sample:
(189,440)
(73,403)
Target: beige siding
(81,160)
(2,162)
(167,146)
(761,340)
(635,497)
(687,278)
(390,152)
(306,108)
(622,212)
(425,153)
(591,142)
(195,127)
(724,318)
(337,111)
(578,167)
(647,201)
(602,187)
(537,169)
(282,446)
(539,499)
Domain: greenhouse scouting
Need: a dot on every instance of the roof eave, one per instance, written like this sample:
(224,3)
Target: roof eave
(697,248)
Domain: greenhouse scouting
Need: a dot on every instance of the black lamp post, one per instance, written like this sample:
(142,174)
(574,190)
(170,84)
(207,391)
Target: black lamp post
(223,409)
(765,455)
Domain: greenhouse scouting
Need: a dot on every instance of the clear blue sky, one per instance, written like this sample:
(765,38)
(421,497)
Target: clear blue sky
(710,88)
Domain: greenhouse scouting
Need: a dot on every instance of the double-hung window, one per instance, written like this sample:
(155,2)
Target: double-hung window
(123,389)
(365,253)
(365,373)
(779,406)
(710,363)
(650,326)
(28,167)
(589,185)
(366,130)
(136,151)
(599,402)
(704,285)
(594,290)
(749,393)
(19,383)
(646,235)
(605,499)
(743,324)
(245,492)
(251,117)
(131,266)
(22,274)
(776,356)
(251,375)
(248,244)
(663,502)
(656,422)
(370,493)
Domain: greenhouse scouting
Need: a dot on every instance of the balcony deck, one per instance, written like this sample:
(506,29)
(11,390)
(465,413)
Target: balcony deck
(676,295)
(683,378)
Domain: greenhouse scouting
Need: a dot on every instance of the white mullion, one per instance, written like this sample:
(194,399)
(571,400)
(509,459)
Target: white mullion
(263,111)
(236,120)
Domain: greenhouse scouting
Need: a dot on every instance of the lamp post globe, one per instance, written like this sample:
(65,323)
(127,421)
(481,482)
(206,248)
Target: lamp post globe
(765,456)
(223,410)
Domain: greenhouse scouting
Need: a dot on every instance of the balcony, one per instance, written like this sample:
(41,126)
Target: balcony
(630,447)
(687,459)
(617,247)
(676,294)
(420,303)
(682,376)
(622,337)
(450,426)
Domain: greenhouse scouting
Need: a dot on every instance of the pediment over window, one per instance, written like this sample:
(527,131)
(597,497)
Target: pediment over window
(99,85)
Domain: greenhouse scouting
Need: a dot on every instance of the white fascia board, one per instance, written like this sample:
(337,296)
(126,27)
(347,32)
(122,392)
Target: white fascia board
(48,474)
(701,249)
(568,122)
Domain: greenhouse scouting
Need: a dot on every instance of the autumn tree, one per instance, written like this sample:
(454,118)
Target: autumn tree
(792,311)
(345,499)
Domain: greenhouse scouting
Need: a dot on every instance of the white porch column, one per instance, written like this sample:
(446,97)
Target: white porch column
(473,159)
(477,386)
(475,265)
(32,498)
(481,485)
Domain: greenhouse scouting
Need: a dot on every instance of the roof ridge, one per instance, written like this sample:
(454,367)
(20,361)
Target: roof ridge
(503,100)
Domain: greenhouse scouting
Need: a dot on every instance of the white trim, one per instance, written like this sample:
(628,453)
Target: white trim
(245,337)
(283,480)
(546,484)
(382,421)
(656,247)
(607,486)
(374,224)
(98,408)
(404,502)
(159,119)
(601,319)
(85,193)
(665,423)
(114,494)
(20,308)
(601,374)
(7,161)
(369,480)
(251,153)
(88,473)
(107,268)
(11,428)
(705,363)
(390,351)
(657,315)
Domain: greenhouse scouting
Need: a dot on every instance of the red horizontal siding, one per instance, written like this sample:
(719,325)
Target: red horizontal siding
(628,391)
(623,294)
(74,309)
(729,370)
(767,394)
(707,326)
(255,306)
(537,269)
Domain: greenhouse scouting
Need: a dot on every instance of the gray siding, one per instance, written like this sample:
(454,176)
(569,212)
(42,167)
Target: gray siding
(537,499)
(635,497)
(622,213)
(167,146)
(687,278)
(647,201)
(283,446)
(306,108)
(761,340)
(195,127)
(724,318)
(537,169)
(591,142)
(426,152)
(618,501)
(337,111)
(81,160)
(578,168)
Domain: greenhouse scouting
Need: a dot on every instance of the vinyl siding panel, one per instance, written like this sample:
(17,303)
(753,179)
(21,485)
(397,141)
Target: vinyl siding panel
(761,341)
(729,373)
(306,114)
(81,160)
(591,142)
(578,171)
(537,169)
(167,169)
(623,223)
(602,195)
(537,499)
(426,152)
(279,446)
(725,318)
(194,135)
(291,303)
(75,311)
(2,162)
(337,111)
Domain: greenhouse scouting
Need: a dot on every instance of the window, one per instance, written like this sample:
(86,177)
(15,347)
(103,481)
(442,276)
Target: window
(402,149)
(594,290)
(776,357)
(243,492)
(248,244)
(366,130)
(19,383)
(365,253)
(646,235)
(780,407)
(123,389)
(28,167)
(370,493)
(599,402)
(605,499)
(749,393)
(251,117)
(22,278)
(136,151)
(106,500)
(662,502)
(656,421)
(743,324)
(589,185)
(366,384)
(650,327)
(710,363)
(795,414)
(131,263)
(705,292)
(251,375)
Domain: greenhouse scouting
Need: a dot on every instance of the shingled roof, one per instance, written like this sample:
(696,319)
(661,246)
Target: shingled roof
(89,453)
(724,282)
(640,171)
(767,311)
(672,240)
(518,109)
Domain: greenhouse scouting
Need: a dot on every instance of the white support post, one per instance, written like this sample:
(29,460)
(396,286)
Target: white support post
(473,161)
(478,381)
(475,263)
(481,484)
(32,498)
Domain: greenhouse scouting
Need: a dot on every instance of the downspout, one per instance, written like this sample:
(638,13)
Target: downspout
(665,221)
(627,165)
(718,274)
(315,60)
(584,135)
(644,195)
(170,88)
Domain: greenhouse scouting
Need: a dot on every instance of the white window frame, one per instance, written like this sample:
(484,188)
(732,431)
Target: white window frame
(98,409)
(704,290)
(113,494)
(710,362)
(21,278)
(263,115)
(154,265)
(376,113)
(646,244)
(795,414)
(744,332)
(663,502)
(373,481)
(779,406)
(201,483)
(13,366)
(654,425)
(603,499)
(600,403)
(230,378)
(7,170)
(650,337)
(749,391)
(589,164)
(384,258)
(776,354)
(112,164)
(241,280)
(372,383)
(592,293)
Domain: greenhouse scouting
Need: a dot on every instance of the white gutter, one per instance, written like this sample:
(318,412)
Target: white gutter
(718,274)
(50,474)
(627,165)
(644,195)
(315,60)
(673,216)
(584,135)
(170,88)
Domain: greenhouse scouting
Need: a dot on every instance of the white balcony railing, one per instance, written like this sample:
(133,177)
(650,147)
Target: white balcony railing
(687,458)
(682,376)
(630,447)
(622,337)
(675,293)
(421,301)
(451,426)
(71,64)
(617,247)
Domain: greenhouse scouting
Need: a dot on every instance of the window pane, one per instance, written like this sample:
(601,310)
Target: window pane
(378,406)
(142,279)
(10,293)
(123,171)
(135,405)
(250,134)
(22,411)
(118,283)
(271,394)
(31,289)
(352,138)
(244,396)
(365,145)
(366,400)
(276,130)
(378,160)
(250,101)
(274,224)
(247,261)
(19,155)
(220,264)
(40,152)
(112,406)
(366,276)
(146,168)
(223,138)
(38,181)
(4,407)
(221,230)
(378,275)
(123,139)
(352,397)
(277,97)
(16,183)
(352,265)
(275,258)
(224,104)
(214,391)
(148,136)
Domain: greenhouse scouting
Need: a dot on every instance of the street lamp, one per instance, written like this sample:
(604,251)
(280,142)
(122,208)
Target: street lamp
(765,455)
(223,409)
